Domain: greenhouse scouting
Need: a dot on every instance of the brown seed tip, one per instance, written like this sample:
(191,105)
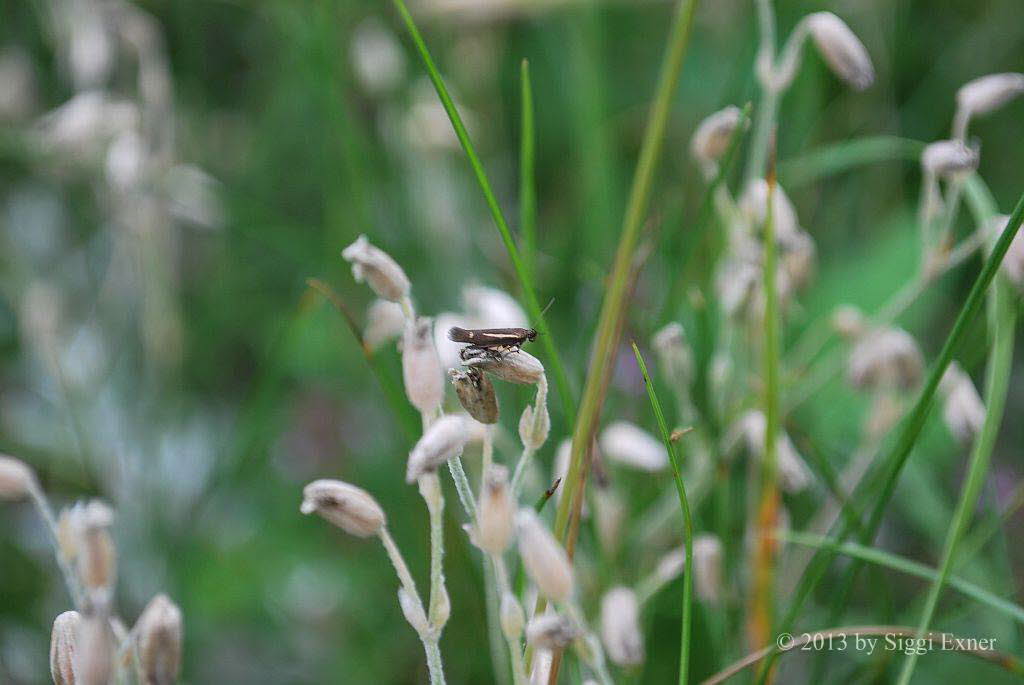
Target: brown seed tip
(16,478)
(158,632)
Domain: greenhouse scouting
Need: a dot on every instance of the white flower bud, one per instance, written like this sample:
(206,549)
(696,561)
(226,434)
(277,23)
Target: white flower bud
(543,557)
(963,410)
(515,366)
(841,49)
(377,268)
(712,137)
(476,394)
(512,618)
(533,431)
(792,471)
(376,57)
(158,635)
(754,204)
(1013,262)
(750,429)
(946,158)
(385,321)
(421,367)
(671,565)
(885,358)
(630,445)
(493,308)
(707,567)
(413,612)
(674,353)
(496,511)
(848,321)
(988,93)
(620,627)
(16,478)
(63,640)
(94,652)
(443,440)
(552,631)
(350,508)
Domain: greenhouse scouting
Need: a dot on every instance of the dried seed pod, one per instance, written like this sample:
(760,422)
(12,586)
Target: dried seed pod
(620,627)
(421,367)
(948,158)
(988,93)
(885,358)
(630,445)
(514,366)
(841,49)
(512,618)
(350,508)
(158,636)
(413,612)
(1013,263)
(671,565)
(848,321)
(476,394)
(552,631)
(533,431)
(754,205)
(543,557)
(88,527)
(963,410)
(707,567)
(378,269)
(496,511)
(713,134)
(385,321)
(443,440)
(750,430)
(16,478)
(63,640)
(94,651)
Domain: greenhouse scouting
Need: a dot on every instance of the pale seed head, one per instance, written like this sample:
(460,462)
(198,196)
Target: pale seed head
(496,511)
(476,394)
(1013,262)
(630,445)
(963,410)
(848,321)
(377,268)
(515,366)
(885,358)
(512,618)
(949,158)
(443,440)
(713,134)
(16,478)
(841,49)
(63,640)
(413,612)
(552,631)
(350,508)
(94,651)
(385,321)
(543,557)
(989,93)
(492,308)
(674,353)
(754,205)
(421,367)
(671,565)
(620,627)
(158,635)
(534,427)
(707,567)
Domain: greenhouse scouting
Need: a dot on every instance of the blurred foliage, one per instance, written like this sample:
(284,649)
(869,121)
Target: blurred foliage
(271,389)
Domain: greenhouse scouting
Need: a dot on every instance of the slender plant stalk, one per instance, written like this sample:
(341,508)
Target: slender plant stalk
(768,108)
(684,505)
(764,562)
(893,462)
(1004,661)
(839,157)
(873,555)
(527,171)
(523,274)
(613,306)
(1003,316)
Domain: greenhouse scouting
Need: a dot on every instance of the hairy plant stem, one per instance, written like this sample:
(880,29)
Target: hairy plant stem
(42,505)
(540,408)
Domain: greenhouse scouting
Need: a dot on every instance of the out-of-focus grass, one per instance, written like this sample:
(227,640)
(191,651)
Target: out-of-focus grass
(307,160)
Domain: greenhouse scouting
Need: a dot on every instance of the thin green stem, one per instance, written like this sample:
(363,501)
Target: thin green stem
(873,555)
(522,273)
(527,188)
(1003,316)
(684,505)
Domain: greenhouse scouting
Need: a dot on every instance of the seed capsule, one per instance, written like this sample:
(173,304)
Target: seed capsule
(158,632)
(378,269)
(15,478)
(442,441)
(476,394)
(620,627)
(350,508)
(841,49)
(63,639)
(496,518)
(543,557)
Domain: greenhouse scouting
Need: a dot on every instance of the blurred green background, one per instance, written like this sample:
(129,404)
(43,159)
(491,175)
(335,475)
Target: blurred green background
(179,366)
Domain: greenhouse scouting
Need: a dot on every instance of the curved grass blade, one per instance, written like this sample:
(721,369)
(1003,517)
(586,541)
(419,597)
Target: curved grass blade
(684,505)
(527,171)
(834,159)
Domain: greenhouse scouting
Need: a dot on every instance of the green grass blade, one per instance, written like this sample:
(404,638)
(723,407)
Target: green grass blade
(1004,321)
(684,505)
(834,159)
(522,273)
(873,555)
(527,169)
(910,428)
